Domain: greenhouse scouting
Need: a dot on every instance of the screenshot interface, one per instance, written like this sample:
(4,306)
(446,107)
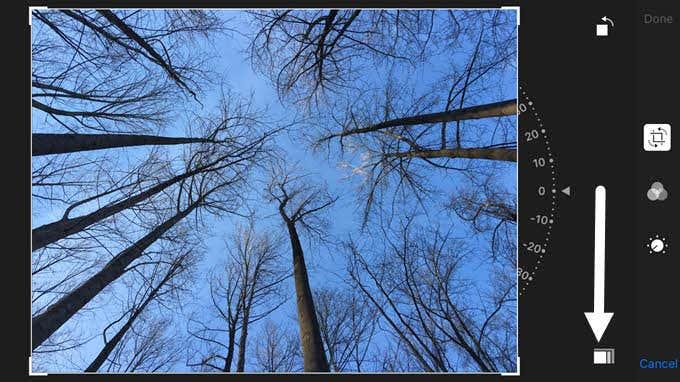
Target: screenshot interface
(461,190)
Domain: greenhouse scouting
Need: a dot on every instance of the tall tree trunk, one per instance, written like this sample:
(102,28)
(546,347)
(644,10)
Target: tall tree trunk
(313,354)
(331,357)
(51,232)
(46,144)
(46,323)
(230,349)
(500,154)
(113,342)
(242,342)
(232,323)
(496,109)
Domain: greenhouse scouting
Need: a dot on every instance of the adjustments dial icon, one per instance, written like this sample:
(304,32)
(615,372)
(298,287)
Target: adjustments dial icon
(657,244)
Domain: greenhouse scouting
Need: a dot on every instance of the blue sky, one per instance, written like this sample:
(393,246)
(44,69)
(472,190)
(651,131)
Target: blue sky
(324,265)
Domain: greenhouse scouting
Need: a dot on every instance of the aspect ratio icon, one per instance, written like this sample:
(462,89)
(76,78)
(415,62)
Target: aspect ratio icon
(657,137)
(602,29)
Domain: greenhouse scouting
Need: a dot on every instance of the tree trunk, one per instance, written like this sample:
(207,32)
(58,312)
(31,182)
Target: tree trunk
(313,354)
(46,144)
(496,109)
(113,342)
(241,363)
(230,349)
(331,357)
(48,322)
(508,155)
(52,232)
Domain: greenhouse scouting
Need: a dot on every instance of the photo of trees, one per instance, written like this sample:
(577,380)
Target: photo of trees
(274,191)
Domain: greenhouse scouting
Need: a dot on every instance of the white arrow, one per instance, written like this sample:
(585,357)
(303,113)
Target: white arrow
(598,319)
(608,20)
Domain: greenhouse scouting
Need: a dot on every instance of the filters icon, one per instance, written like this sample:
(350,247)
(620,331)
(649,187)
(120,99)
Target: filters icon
(657,192)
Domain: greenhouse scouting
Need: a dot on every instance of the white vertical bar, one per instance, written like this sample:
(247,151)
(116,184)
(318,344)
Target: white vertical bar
(600,210)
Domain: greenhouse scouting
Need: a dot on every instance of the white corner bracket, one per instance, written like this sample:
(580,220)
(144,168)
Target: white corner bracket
(30,13)
(31,373)
(514,8)
(513,373)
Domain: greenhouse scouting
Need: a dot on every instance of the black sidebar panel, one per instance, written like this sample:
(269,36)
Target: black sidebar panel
(598,72)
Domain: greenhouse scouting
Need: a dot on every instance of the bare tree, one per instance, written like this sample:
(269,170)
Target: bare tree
(496,109)
(143,47)
(154,348)
(392,127)
(305,52)
(300,202)
(215,191)
(277,350)
(237,147)
(442,318)
(245,291)
(347,322)
(392,140)
(89,74)
(46,323)
(396,357)
(154,292)
(491,209)
(113,71)
(234,111)
(415,103)
(258,255)
(120,299)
